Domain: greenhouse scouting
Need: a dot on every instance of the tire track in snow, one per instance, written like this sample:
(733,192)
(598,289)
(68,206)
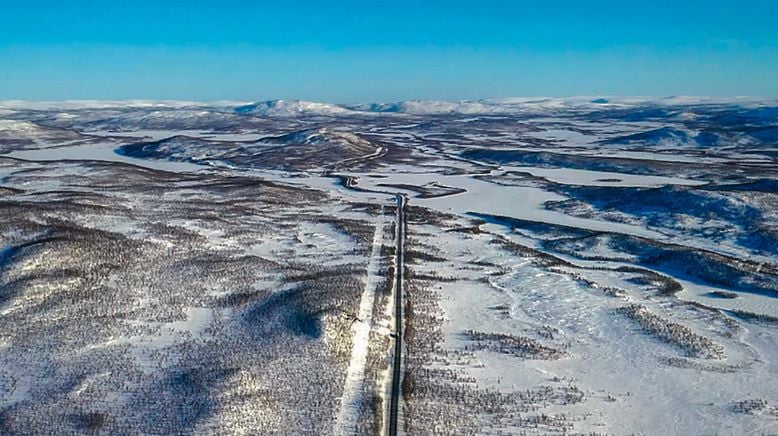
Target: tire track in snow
(353,390)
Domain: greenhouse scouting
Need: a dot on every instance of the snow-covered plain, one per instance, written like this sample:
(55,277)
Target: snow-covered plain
(587,265)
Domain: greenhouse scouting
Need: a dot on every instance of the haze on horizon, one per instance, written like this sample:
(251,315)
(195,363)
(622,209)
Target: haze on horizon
(351,52)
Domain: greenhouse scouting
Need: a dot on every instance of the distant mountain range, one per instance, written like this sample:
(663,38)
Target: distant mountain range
(287,108)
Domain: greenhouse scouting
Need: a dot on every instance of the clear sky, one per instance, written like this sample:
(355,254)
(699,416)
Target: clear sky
(373,50)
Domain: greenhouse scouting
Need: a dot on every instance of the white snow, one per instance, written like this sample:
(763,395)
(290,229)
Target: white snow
(606,354)
(101,152)
(573,176)
(287,108)
(108,104)
(353,392)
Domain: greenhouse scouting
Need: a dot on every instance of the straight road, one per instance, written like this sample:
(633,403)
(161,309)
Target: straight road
(398,321)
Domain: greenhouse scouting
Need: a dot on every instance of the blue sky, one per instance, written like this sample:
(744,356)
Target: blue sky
(358,51)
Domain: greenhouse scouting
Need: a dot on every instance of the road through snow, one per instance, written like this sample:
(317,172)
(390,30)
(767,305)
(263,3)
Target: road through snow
(353,390)
(396,392)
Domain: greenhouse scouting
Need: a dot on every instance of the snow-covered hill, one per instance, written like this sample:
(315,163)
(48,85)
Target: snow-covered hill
(19,134)
(305,149)
(106,104)
(429,107)
(287,108)
(189,118)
